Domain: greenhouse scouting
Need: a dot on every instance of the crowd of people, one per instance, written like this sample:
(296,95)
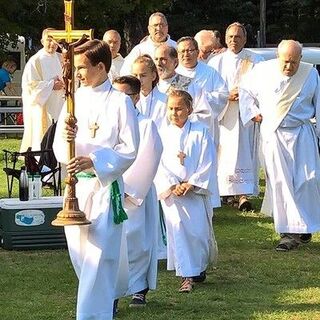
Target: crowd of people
(178,128)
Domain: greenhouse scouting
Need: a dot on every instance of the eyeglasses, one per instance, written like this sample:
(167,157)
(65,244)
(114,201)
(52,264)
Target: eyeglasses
(158,25)
(184,51)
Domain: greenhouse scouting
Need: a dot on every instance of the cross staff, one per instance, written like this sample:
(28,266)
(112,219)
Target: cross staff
(70,215)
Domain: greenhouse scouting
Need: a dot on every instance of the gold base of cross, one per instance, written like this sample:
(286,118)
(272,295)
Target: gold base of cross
(70,215)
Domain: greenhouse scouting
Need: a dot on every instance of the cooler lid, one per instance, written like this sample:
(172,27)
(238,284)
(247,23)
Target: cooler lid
(44,202)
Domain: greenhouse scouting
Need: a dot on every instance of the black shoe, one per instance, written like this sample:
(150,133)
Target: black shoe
(201,277)
(305,237)
(138,300)
(244,204)
(115,307)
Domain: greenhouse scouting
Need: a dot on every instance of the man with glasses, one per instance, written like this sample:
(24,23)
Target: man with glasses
(158,34)
(205,77)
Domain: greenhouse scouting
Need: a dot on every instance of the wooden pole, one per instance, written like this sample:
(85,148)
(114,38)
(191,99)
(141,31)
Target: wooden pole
(262,23)
(70,214)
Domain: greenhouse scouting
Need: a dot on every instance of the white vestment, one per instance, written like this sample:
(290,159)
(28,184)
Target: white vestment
(41,104)
(146,46)
(141,205)
(95,249)
(237,152)
(191,244)
(291,151)
(154,106)
(116,65)
(214,87)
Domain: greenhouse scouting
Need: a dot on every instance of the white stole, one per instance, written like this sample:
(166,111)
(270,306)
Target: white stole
(289,95)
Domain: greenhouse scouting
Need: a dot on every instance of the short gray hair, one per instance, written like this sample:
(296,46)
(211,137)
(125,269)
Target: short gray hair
(239,25)
(158,14)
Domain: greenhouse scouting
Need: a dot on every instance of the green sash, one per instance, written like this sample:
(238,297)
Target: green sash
(119,215)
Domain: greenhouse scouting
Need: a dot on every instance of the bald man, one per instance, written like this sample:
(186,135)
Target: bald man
(283,94)
(113,39)
(209,44)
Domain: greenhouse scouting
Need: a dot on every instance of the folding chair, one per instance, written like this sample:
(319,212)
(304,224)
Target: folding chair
(34,164)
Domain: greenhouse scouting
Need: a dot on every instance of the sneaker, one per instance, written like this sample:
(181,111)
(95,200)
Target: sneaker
(138,300)
(305,237)
(115,307)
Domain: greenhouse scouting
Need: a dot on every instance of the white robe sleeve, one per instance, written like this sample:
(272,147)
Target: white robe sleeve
(128,61)
(218,94)
(60,146)
(316,102)
(248,104)
(201,109)
(203,177)
(164,180)
(110,163)
(139,177)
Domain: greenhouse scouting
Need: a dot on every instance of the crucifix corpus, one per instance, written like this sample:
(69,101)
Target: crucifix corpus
(70,214)
(181,156)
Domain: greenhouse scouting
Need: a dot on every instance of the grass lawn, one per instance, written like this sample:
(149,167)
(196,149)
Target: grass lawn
(251,280)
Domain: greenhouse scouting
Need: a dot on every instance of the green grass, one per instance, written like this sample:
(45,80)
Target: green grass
(251,281)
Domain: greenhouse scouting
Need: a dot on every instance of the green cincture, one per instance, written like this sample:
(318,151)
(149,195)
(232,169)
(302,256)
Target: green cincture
(119,215)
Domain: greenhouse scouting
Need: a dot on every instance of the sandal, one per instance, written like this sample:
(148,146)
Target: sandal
(287,244)
(186,285)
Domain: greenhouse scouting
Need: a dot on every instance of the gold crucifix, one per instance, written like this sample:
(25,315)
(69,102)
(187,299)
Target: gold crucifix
(181,156)
(70,215)
(93,128)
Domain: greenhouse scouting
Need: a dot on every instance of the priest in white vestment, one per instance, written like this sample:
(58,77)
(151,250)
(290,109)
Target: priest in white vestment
(238,154)
(158,34)
(207,78)
(42,93)
(113,39)
(184,185)
(284,95)
(106,141)
(141,202)
(166,60)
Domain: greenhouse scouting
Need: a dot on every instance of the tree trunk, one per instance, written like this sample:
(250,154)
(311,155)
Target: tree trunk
(132,31)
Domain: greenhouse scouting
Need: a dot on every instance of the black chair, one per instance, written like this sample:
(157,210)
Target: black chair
(35,162)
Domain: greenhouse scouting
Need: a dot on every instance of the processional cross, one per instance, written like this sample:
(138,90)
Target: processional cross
(70,214)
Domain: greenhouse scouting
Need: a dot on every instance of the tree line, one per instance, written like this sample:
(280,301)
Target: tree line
(299,20)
